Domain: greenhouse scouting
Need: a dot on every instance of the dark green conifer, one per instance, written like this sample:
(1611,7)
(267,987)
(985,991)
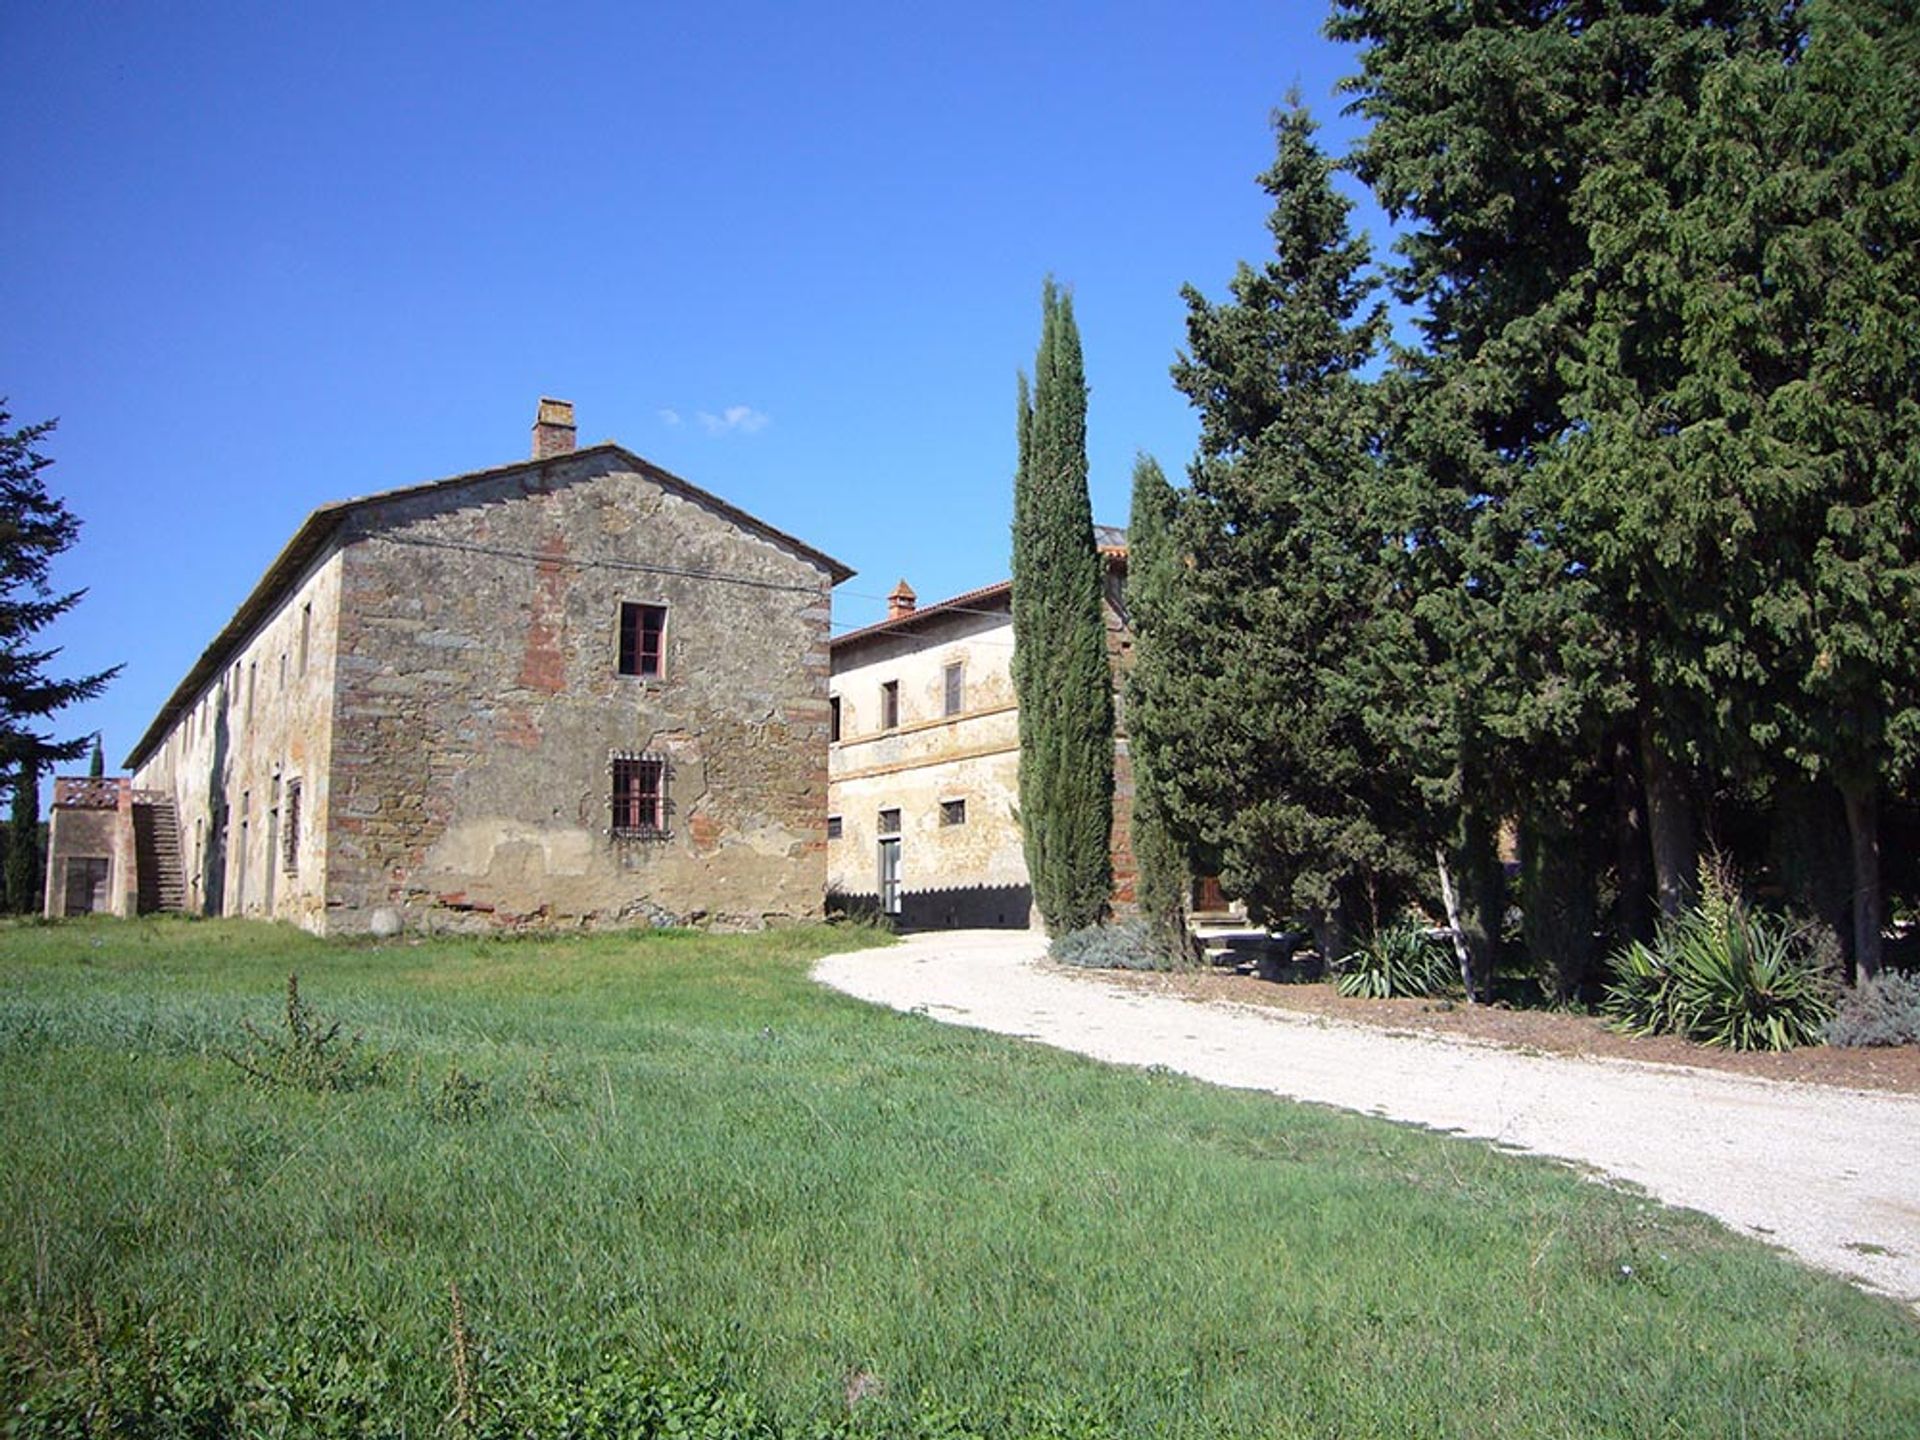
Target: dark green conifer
(1061,672)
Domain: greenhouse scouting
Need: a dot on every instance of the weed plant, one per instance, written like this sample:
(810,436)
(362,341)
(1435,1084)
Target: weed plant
(702,1196)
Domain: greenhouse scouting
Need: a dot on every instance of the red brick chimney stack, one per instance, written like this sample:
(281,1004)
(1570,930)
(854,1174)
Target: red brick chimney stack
(901,601)
(553,429)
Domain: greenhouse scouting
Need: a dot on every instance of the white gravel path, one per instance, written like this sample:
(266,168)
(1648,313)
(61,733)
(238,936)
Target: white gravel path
(1831,1175)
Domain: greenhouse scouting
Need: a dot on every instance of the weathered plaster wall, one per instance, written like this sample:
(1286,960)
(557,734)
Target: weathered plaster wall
(261,725)
(478,707)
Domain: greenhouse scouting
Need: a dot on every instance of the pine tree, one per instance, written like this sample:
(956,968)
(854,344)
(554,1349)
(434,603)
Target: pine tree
(1061,672)
(1157,736)
(34,528)
(1307,811)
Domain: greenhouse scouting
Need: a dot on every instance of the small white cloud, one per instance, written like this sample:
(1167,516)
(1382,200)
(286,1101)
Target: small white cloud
(741,418)
(669,417)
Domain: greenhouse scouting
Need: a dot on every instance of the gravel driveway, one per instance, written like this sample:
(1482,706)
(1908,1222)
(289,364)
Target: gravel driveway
(1831,1175)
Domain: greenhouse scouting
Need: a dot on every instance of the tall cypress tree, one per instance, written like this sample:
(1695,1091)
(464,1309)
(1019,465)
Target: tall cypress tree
(1158,736)
(1061,673)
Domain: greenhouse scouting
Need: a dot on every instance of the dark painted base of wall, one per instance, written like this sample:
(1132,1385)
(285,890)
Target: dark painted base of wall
(978,907)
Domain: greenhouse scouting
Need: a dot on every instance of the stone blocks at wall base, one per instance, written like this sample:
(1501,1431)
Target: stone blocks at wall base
(970,907)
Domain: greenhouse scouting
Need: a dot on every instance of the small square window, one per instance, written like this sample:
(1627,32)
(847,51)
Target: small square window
(639,796)
(953,697)
(953,812)
(890,705)
(833,827)
(889,822)
(643,633)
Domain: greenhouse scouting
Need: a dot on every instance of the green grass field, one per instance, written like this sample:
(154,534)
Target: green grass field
(671,1157)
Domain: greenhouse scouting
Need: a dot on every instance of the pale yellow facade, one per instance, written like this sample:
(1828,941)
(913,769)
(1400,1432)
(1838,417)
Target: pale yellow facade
(923,779)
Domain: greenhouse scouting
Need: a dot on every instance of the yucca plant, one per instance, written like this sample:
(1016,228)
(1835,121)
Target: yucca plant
(1722,975)
(1746,986)
(1640,999)
(1397,959)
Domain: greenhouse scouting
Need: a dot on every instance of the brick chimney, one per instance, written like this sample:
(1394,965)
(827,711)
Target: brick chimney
(901,601)
(553,429)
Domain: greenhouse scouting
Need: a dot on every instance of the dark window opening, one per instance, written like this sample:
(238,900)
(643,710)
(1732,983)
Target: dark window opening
(953,691)
(953,812)
(833,827)
(889,822)
(833,717)
(290,861)
(639,796)
(890,705)
(643,631)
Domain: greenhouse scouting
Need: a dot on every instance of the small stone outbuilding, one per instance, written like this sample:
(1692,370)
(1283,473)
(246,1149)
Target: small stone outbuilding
(573,690)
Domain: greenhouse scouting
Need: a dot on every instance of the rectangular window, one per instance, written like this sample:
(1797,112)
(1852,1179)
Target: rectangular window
(290,841)
(889,822)
(953,812)
(953,690)
(833,718)
(833,827)
(306,633)
(283,669)
(639,796)
(643,632)
(253,674)
(890,705)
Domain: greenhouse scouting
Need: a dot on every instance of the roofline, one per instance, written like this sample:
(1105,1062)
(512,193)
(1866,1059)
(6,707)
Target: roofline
(319,528)
(897,624)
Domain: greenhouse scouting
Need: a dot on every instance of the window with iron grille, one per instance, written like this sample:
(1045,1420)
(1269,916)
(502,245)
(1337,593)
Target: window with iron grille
(889,822)
(639,796)
(643,633)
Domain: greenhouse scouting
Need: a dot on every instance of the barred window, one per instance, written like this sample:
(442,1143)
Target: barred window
(639,796)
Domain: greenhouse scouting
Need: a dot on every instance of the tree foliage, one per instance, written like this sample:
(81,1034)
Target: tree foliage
(1620,557)
(1156,692)
(1286,563)
(35,527)
(1061,672)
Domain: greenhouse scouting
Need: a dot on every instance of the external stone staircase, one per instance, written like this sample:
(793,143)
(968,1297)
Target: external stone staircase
(156,842)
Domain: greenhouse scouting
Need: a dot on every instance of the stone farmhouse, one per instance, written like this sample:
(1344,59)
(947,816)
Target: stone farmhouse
(924,769)
(573,690)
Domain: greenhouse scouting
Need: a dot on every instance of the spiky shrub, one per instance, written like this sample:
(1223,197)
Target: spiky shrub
(1745,984)
(1722,975)
(1882,1011)
(1640,999)
(1397,959)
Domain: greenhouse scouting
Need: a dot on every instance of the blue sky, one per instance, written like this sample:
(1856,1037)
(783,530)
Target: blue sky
(259,257)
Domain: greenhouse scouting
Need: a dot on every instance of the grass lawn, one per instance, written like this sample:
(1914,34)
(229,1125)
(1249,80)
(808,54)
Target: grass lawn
(668,1160)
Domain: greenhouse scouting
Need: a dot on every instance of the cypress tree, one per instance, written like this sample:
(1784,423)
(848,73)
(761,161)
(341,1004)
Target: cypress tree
(24,872)
(1157,738)
(1061,672)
